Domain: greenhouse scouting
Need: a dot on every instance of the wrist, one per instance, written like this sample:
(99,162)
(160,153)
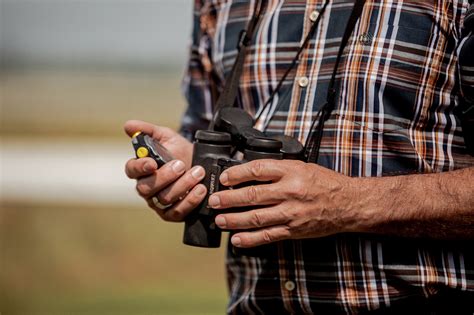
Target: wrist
(379,202)
(366,206)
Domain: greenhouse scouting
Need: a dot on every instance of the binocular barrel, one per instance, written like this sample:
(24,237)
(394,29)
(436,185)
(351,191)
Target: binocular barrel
(213,150)
(210,150)
(199,227)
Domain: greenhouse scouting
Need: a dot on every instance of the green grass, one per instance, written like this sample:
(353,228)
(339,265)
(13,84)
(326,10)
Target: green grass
(72,259)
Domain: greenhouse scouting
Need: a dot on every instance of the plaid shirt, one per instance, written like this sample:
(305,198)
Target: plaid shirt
(398,88)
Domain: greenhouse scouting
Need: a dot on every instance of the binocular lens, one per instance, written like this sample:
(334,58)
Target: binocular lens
(264,145)
(213,137)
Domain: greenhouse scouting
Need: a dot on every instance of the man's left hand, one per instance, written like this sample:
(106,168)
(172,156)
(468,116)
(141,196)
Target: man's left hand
(295,200)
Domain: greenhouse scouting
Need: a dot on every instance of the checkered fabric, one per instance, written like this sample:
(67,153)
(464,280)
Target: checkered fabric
(398,87)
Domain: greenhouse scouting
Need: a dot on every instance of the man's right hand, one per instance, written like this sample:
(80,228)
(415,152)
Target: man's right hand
(175,183)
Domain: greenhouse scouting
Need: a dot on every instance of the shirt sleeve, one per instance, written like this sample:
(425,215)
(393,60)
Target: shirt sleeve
(200,84)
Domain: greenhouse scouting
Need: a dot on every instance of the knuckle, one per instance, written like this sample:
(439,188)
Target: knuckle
(298,190)
(257,219)
(293,226)
(288,232)
(143,189)
(174,215)
(252,194)
(267,237)
(287,215)
(165,198)
(256,169)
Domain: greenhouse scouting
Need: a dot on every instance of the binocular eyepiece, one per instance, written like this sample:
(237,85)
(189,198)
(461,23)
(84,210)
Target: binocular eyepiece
(213,150)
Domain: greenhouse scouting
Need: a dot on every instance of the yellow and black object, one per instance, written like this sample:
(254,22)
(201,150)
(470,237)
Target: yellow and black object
(145,146)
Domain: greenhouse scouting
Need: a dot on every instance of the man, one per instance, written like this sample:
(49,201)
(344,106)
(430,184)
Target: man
(384,221)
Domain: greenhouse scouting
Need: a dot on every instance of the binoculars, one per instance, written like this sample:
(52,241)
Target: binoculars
(231,132)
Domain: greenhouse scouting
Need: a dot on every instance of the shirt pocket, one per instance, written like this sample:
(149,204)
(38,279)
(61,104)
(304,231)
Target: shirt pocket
(398,67)
(396,78)
(409,61)
(361,150)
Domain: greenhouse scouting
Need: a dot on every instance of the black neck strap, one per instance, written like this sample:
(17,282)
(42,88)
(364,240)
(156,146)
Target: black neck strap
(229,94)
(231,88)
(313,142)
(295,60)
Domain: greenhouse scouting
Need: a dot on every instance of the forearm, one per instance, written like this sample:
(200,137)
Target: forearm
(439,206)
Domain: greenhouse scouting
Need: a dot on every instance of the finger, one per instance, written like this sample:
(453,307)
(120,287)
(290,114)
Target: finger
(165,175)
(136,168)
(185,183)
(181,209)
(261,237)
(259,170)
(247,196)
(252,219)
(157,132)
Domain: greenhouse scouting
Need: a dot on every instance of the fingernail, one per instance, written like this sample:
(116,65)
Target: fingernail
(236,241)
(220,221)
(178,166)
(224,178)
(214,201)
(197,172)
(200,190)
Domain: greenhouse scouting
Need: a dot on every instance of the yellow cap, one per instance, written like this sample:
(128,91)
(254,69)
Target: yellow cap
(142,152)
(136,134)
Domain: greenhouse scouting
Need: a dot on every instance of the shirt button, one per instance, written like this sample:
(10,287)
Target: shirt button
(314,15)
(303,82)
(365,39)
(290,285)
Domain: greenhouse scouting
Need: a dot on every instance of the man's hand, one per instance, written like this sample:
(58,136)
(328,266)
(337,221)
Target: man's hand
(174,183)
(305,200)
(302,200)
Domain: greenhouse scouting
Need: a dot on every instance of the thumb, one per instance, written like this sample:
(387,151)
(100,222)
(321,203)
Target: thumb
(157,132)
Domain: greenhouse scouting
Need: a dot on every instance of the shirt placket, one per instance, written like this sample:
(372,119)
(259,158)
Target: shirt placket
(290,285)
(286,273)
(300,111)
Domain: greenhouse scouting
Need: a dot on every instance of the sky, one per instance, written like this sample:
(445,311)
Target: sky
(95,31)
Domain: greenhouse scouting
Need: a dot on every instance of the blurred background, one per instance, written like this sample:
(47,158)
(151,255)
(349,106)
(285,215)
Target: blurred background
(74,236)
